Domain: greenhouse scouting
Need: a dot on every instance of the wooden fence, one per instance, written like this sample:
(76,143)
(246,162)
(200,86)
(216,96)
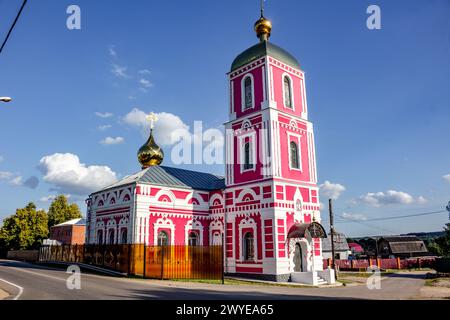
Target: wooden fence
(396,263)
(157,262)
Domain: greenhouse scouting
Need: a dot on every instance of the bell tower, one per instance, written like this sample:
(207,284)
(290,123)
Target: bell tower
(271,180)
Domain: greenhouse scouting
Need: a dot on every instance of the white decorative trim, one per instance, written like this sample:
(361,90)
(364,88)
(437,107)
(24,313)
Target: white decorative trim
(214,226)
(215,197)
(264,82)
(244,192)
(164,223)
(248,223)
(194,226)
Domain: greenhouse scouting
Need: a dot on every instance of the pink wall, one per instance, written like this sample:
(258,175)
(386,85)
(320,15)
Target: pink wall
(258,88)
(277,76)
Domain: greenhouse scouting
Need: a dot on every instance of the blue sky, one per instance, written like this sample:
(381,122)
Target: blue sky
(379,99)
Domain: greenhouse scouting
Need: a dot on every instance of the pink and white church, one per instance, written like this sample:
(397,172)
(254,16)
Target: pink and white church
(265,210)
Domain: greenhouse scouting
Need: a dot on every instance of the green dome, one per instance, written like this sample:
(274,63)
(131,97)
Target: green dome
(262,49)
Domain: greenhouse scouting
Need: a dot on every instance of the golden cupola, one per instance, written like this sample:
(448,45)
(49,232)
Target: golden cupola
(263,27)
(150,154)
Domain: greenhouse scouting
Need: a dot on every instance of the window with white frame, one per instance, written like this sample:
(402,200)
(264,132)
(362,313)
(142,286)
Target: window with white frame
(163,238)
(248,156)
(295,161)
(248,95)
(287,92)
(193,239)
(295,158)
(111,236)
(248,247)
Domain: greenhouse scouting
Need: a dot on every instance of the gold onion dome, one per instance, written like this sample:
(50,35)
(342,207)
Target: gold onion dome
(150,154)
(263,27)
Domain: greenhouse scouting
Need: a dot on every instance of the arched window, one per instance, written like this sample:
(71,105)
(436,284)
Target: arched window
(111,236)
(295,163)
(124,236)
(298,205)
(248,247)
(248,93)
(287,92)
(248,161)
(193,239)
(99,237)
(163,238)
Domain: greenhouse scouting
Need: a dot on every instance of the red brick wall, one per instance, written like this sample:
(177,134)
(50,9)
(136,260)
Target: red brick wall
(68,234)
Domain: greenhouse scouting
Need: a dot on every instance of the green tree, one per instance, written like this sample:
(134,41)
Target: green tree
(24,230)
(61,211)
(444,241)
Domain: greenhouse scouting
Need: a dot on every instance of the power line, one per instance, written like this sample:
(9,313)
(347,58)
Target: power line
(393,218)
(366,225)
(12,26)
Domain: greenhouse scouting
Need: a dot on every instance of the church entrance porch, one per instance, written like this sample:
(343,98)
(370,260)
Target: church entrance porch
(298,266)
(303,268)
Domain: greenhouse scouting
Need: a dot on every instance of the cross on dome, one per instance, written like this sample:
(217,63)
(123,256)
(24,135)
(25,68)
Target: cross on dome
(152,117)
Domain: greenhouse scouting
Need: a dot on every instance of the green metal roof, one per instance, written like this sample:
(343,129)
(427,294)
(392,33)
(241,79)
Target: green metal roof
(264,48)
(173,177)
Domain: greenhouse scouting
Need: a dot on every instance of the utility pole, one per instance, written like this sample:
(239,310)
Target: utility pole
(448,209)
(330,208)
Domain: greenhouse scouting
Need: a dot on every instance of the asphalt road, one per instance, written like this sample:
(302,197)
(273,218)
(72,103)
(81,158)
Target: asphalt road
(24,281)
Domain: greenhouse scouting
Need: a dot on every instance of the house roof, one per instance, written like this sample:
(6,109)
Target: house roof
(73,222)
(356,247)
(405,244)
(173,177)
(340,243)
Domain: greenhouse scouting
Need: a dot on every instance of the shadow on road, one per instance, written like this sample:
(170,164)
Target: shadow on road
(408,275)
(194,295)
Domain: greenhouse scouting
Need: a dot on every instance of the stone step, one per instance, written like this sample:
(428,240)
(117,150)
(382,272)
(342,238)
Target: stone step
(321,281)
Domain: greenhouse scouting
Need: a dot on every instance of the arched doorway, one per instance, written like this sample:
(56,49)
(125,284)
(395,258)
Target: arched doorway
(298,265)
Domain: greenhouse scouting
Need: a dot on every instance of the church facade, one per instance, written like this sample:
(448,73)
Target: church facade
(265,211)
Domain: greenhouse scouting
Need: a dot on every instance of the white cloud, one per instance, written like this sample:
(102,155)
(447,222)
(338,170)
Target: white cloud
(421,200)
(145,84)
(104,114)
(17,181)
(145,71)
(52,197)
(112,141)
(6,175)
(67,174)
(104,127)
(447,177)
(331,190)
(112,51)
(354,216)
(119,71)
(378,199)
(165,128)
